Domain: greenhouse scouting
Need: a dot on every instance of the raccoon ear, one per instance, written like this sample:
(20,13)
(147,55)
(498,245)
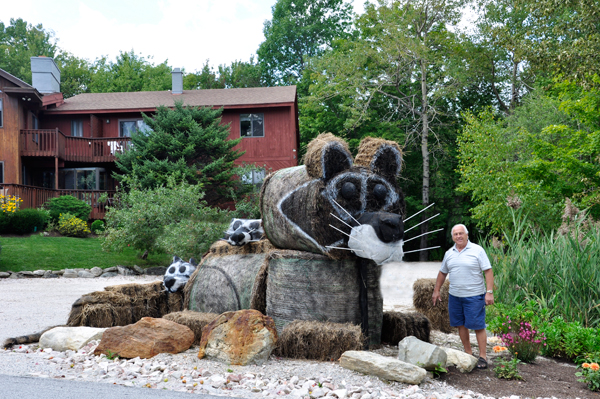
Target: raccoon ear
(176,259)
(334,160)
(326,156)
(193,262)
(383,157)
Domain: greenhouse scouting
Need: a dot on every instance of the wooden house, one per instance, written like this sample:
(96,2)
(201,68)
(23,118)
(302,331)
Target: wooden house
(50,146)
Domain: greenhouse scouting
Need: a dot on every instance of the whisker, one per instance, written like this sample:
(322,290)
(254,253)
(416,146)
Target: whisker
(344,233)
(426,220)
(429,206)
(335,202)
(423,249)
(346,249)
(340,220)
(429,232)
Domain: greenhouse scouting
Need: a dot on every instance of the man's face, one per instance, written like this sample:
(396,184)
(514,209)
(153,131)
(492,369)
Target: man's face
(459,236)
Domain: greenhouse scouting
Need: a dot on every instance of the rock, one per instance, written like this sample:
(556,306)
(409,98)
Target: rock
(156,271)
(109,274)
(69,338)
(382,367)
(85,274)
(39,273)
(96,271)
(28,274)
(125,271)
(111,269)
(240,338)
(414,351)
(4,274)
(59,272)
(15,275)
(138,270)
(69,273)
(50,274)
(146,338)
(463,361)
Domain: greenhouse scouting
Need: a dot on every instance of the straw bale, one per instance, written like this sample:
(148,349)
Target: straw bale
(438,314)
(259,289)
(381,156)
(137,290)
(195,321)
(318,340)
(314,152)
(397,326)
(223,248)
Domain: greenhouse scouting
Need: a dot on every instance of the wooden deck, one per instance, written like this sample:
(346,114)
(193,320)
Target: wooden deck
(35,197)
(53,143)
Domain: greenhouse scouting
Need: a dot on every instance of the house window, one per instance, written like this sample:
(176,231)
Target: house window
(82,178)
(1,113)
(77,128)
(1,171)
(252,125)
(126,127)
(35,124)
(255,176)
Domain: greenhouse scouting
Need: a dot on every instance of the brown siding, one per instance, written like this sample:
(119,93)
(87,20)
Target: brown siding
(96,126)
(9,137)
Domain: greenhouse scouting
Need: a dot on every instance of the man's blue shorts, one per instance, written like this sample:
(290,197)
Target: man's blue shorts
(467,311)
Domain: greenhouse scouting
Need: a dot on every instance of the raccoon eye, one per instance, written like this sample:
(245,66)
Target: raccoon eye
(380,191)
(182,269)
(172,270)
(349,191)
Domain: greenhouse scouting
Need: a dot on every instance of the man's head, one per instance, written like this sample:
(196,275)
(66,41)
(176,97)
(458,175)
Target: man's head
(460,235)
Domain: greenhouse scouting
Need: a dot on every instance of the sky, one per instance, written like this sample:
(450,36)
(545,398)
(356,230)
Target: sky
(187,33)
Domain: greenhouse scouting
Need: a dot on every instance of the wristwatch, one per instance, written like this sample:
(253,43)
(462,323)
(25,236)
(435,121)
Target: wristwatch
(489,291)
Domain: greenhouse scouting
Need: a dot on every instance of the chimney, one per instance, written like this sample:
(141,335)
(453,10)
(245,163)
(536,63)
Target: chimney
(177,79)
(45,76)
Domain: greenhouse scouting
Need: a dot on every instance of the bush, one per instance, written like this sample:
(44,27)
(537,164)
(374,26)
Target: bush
(97,226)
(27,221)
(71,226)
(5,219)
(68,204)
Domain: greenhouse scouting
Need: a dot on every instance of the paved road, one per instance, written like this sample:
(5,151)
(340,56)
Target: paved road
(47,388)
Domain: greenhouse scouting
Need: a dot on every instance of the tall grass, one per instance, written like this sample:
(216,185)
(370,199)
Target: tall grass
(560,272)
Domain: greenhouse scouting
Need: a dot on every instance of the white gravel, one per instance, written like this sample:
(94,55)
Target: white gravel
(29,305)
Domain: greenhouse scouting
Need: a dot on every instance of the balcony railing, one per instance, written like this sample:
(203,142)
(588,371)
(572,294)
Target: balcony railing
(53,143)
(34,197)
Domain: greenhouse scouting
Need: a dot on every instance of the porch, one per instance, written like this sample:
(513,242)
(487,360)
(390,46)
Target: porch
(34,197)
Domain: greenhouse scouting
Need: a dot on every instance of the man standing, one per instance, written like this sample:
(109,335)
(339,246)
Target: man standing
(465,263)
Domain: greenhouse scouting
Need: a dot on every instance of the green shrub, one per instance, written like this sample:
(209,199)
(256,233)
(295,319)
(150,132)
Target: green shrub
(97,226)
(5,218)
(68,204)
(71,226)
(26,221)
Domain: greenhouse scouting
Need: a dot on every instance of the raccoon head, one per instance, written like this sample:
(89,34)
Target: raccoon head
(178,274)
(335,204)
(243,231)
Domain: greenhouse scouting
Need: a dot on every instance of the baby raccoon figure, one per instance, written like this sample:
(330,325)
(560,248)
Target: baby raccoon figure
(336,205)
(178,274)
(243,231)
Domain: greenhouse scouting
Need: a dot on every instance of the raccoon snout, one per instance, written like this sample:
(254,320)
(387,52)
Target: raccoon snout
(238,238)
(387,226)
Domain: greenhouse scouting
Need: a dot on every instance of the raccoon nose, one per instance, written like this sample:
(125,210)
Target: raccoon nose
(238,238)
(169,283)
(388,226)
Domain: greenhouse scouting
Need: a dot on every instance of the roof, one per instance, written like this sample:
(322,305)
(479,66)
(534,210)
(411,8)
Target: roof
(145,100)
(13,79)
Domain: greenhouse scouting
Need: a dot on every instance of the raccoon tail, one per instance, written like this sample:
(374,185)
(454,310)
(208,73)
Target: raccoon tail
(25,339)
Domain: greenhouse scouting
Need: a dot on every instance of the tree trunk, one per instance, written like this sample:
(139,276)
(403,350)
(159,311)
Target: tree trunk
(425,154)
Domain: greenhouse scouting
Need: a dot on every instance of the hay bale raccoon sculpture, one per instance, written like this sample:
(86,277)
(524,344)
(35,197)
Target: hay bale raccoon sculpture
(330,225)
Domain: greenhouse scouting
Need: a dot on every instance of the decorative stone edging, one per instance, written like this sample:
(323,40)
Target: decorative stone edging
(94,272)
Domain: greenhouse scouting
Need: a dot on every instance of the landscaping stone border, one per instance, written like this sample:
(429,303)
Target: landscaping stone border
(94,272)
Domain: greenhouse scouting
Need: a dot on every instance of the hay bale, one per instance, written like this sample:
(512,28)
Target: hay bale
(383,157)
(318,340)
(314,151)
(122,305)
(195,321)
(223,248)
(397,326)
(311,287)
(437,315)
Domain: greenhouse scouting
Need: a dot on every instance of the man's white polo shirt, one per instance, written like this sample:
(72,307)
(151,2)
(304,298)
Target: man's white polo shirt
(465,270)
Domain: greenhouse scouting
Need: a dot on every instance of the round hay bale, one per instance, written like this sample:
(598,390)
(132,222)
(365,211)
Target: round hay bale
(318,341)
(314,153)
(224,283)
(305,286)
(383,157)
(397,326)
(195,321)
(438,314)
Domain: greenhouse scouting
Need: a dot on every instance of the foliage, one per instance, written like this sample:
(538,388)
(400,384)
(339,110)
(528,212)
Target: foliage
(163,219)
(97,226)
(68,204)
(28,220)
(239,74)
(300,29)
(557,271)
(438,370)
(185,141)
(591,375)
(71,226)
(9,203)
(522,340)
(507,369)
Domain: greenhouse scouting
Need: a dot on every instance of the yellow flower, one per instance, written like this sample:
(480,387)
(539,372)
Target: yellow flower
(585,365)
(595,366)
(499,348)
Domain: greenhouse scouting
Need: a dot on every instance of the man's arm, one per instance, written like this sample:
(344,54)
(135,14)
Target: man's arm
(441,277)
(489,282)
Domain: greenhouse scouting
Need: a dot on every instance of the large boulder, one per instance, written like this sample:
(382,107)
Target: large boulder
(461,360)
(241,338)
(414,351)
(383,367)
(73,338)
(145,339)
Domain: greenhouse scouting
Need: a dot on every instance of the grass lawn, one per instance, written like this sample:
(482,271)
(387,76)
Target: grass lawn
(54,253)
